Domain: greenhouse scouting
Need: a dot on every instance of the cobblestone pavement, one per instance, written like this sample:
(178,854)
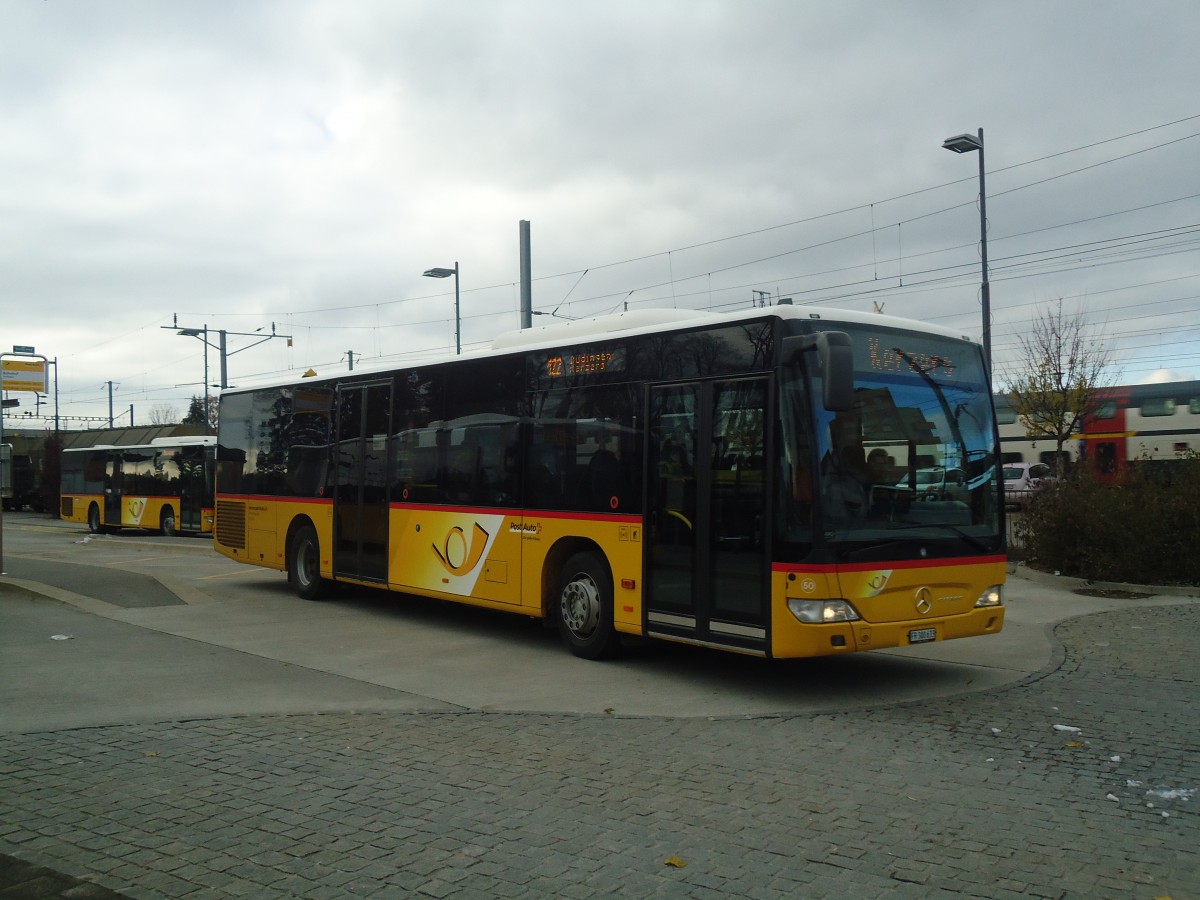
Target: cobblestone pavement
(1081,782)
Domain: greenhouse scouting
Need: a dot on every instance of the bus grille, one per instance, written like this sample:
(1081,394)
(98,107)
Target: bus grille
(68,507)
(231,524)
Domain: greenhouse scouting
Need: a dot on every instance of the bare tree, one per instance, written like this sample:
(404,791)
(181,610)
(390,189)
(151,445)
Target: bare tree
(164,414)
(1059,377)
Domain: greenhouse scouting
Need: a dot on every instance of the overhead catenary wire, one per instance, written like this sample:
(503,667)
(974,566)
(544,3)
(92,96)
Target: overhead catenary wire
(1061,258)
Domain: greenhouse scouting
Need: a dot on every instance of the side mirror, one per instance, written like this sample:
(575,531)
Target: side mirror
(835,361)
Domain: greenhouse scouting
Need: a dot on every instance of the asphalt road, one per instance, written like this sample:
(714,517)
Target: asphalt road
(173,724)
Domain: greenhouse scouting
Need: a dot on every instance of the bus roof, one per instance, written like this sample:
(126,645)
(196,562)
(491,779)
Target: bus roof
(156,444)
(650,321)
(636,322)
(188,440)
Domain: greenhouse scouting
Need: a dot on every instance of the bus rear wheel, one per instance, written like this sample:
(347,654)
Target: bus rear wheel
(584,607)
(304,565)
(167,525)
(94,519)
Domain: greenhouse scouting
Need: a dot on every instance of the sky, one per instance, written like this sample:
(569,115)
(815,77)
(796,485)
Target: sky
(293,167)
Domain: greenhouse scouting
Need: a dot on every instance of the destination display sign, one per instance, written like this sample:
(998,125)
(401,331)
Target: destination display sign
(886,357)
(883,352)
(590,361)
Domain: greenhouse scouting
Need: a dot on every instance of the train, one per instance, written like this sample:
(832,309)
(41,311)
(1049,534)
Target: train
(1149,425)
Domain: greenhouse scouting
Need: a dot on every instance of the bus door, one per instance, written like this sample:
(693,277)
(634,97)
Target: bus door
(190,468)
(114,489)
(360,501)
(707,567)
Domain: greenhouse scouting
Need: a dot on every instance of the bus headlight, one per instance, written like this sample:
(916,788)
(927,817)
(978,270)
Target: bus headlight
(992,596)
(818,612)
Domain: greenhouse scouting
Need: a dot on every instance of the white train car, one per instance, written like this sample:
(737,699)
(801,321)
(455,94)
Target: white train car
(1155,424)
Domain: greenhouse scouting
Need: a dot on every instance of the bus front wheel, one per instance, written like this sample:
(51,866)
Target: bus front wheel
(584,607)
(167,525)
(94,519)
(304,565)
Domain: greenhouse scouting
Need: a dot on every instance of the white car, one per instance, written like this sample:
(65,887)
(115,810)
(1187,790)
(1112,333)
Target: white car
(937,483)
(1022,480)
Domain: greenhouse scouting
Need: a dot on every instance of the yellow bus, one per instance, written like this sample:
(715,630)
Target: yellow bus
(745,482)
(166,485)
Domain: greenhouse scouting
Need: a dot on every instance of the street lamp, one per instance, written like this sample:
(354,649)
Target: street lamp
(446,273)
(966,143)
(201,334)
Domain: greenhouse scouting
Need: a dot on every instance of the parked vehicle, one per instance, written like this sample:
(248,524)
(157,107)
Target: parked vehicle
(1023,480)
(937,483)
(18,481)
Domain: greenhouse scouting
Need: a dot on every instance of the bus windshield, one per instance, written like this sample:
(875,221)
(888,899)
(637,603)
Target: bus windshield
(914,460)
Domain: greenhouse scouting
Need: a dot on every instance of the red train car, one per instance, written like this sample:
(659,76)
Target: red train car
(1152,425)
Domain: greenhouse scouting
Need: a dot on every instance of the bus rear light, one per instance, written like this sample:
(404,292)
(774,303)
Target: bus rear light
(818,612)
(991,596)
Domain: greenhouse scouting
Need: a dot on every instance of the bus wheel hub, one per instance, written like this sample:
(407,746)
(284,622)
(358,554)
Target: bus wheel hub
(580,605)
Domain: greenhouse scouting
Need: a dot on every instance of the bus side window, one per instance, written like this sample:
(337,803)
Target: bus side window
(306,469)
(604,475)
(462,472)
(543,471)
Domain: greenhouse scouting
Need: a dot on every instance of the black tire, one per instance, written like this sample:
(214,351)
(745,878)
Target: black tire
(167,524)
(94,525)
(304,565)
(583,607)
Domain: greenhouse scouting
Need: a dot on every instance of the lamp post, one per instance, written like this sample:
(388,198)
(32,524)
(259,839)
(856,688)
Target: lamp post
(446,273)
(201,334)
(966,143)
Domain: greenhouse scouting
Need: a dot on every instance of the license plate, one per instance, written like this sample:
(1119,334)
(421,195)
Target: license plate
(922,635)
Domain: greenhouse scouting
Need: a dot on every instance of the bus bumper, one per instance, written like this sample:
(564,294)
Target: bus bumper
(792,639)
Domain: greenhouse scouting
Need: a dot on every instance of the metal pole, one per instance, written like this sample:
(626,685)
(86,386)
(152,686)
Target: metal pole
(457,316)
(224,364)
(986,290)
(526,286)
(204,413)
(110,412)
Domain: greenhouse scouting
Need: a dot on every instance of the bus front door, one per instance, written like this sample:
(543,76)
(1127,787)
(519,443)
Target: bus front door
(707,566)
(360,502)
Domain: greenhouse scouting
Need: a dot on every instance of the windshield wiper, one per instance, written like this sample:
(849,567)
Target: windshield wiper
(977,543)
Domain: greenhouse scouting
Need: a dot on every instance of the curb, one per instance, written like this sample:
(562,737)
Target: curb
(1068,583)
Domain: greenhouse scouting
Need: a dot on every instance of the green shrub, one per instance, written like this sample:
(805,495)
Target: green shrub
(1144,530)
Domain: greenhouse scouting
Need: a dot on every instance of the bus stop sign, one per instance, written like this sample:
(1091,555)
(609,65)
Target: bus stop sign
(23,375)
